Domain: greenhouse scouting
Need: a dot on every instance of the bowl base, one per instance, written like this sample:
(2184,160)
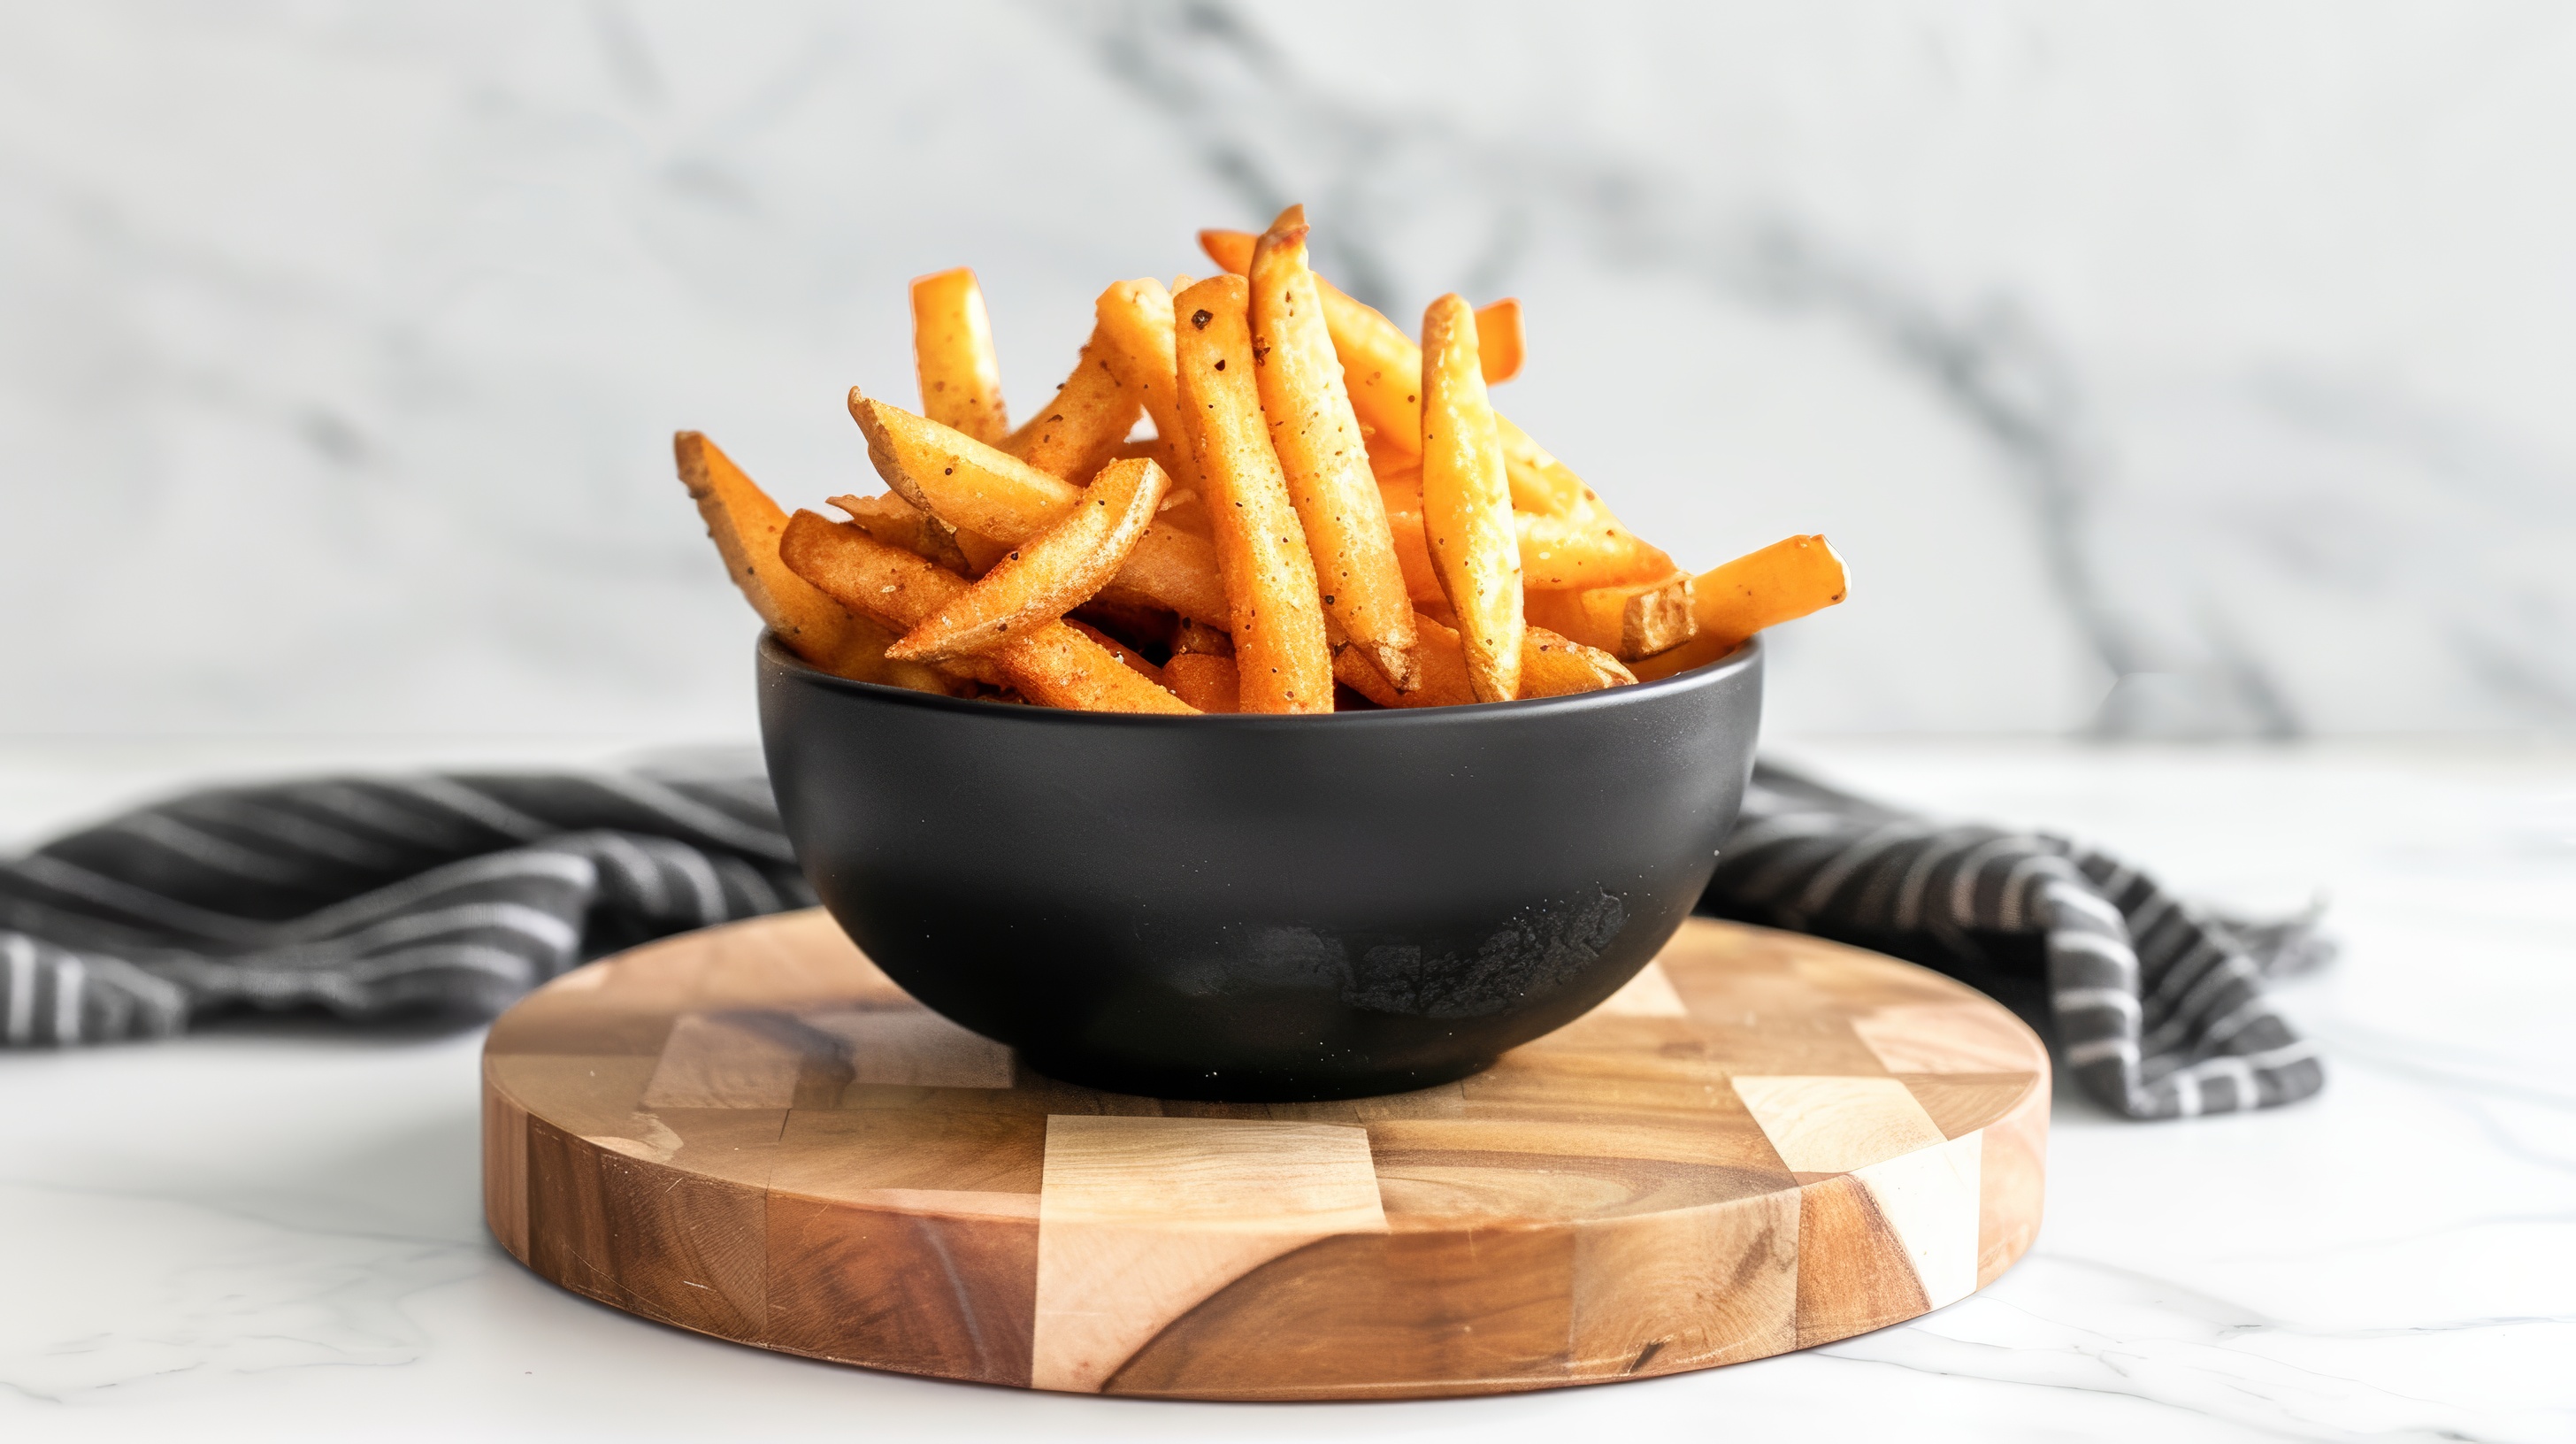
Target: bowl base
(1245,1086)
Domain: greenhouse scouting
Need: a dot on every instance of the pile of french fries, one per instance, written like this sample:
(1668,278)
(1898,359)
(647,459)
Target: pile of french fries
(1327,515)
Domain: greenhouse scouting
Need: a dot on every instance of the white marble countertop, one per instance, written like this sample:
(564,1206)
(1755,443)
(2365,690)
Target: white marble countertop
(273,1230)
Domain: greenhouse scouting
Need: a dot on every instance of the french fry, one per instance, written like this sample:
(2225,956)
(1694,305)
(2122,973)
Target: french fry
(896,522)
(1127,656)
(1631,623)
(1381,366)
(1277,608)
(1205,681)
(1554,666)
(1199,637)
(1077,433)
(1047,575)
(995,495)
(1499,341)
(745,525)
(1317,440)
(1583,550)
(1467,504)
(1500,344)
(1187,512)
(952,347)
(1551,666)
(1401,496)
(1052,665)
(1134,324)
(1782,582)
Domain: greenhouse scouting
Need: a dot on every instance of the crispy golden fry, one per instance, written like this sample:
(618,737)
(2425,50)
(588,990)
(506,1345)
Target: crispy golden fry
(952,345)
(1554,666)
(1134,324)
(1401,495)
(996,496)
(1053,665)
(1466,503)
(1199,637)
(1500,344)
(1631,623)
(1079,432)
(1782,582)
(1551,666)
(1320,452)
(746,525)
(1540,482)
(1380,366)
(1127,656)
(1587,549)
(1049,574)
(896,522)
(1278,611)
(1187,511)
(1206,681)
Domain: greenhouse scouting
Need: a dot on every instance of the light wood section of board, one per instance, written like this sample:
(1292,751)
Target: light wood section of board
(1761,1143)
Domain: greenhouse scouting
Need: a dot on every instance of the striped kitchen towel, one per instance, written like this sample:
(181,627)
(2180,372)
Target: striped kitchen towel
(371,897)
(2157,1007)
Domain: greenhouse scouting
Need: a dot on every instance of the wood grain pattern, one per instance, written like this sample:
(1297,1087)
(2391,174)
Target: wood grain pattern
(1763,1142)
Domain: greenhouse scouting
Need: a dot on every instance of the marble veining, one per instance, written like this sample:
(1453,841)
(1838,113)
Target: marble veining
(2176,373)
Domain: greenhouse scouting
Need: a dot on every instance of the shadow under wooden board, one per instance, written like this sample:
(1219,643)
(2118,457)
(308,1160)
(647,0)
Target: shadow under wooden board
(1762,1143)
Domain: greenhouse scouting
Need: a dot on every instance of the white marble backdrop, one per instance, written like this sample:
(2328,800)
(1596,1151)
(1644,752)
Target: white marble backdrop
(2164,370)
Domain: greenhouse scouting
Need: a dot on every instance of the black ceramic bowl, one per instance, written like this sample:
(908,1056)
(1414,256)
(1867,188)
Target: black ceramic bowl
(1260,907)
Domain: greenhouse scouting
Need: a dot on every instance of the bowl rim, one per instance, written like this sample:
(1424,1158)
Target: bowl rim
(772,652)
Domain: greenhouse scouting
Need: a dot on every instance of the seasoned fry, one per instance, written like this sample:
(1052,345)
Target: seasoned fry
(1269,575)
(1127,656)
(1053,665)
(896,522)
(1200,637)
(996,496)
(1401,495)
(1782,582)
(1047,575)
(1134,324)
(952,346)
(1380,365)
(1317,440)
(1585,549)
(1498,325)
(1206,681)
(1187,511)
(1554,666)
(746,525)
(1076,434)
(1500,344)
(1630,623)
(1467,505)
(1551,666)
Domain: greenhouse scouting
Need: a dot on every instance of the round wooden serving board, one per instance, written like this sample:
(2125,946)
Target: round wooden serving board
(1764,1142)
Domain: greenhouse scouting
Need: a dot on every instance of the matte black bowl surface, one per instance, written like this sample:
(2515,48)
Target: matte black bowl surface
(1260,907)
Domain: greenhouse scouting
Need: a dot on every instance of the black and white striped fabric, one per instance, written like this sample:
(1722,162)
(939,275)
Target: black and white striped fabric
(2158,1008)
(376,896)
(372,896)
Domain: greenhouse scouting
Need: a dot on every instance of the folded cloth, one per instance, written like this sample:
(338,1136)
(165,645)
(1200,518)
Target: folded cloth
(372,896)
(375,896)
(2157,1007)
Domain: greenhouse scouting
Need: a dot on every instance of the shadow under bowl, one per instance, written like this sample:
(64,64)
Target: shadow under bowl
(1260,908)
